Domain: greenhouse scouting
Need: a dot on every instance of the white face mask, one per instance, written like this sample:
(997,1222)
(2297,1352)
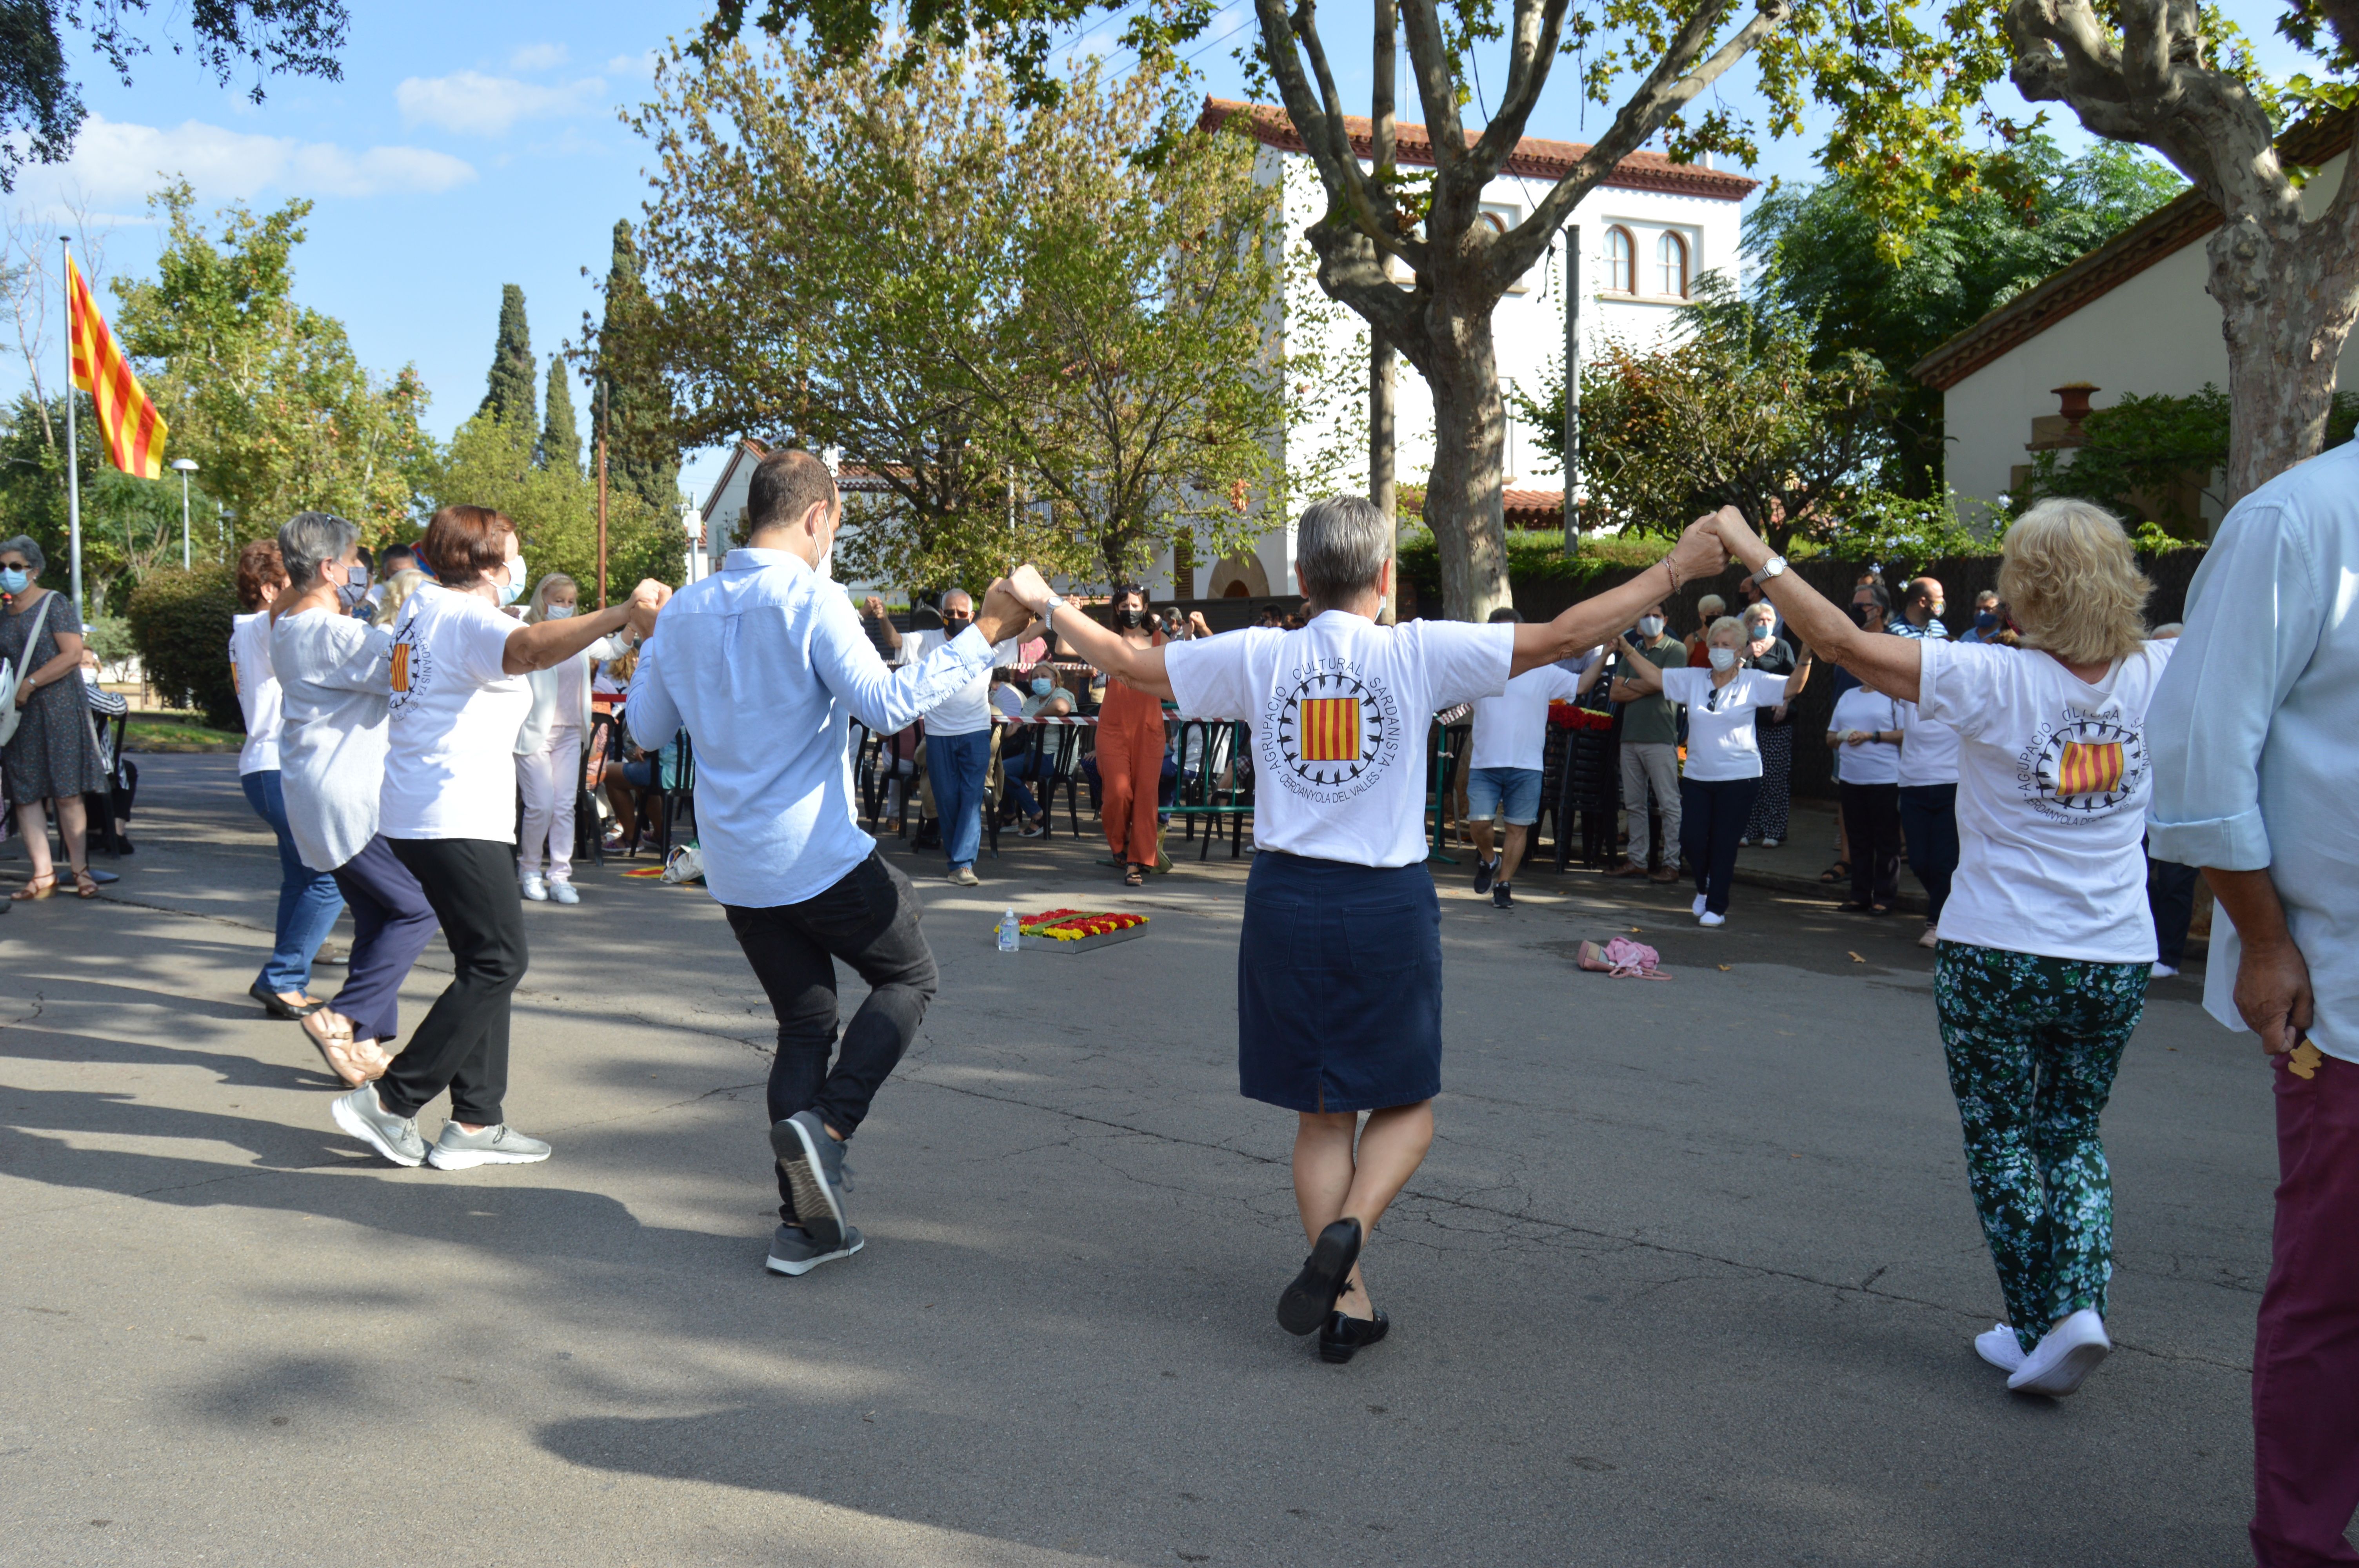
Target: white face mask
(1650,625)
(1723,658)
(513,590)
(557,612)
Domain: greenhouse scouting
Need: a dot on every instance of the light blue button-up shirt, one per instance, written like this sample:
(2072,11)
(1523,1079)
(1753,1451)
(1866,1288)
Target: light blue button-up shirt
(765,664)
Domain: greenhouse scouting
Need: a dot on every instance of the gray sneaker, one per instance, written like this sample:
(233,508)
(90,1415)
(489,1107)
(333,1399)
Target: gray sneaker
(394,1137)
(813,1163)
(792,1251)
(459,1150)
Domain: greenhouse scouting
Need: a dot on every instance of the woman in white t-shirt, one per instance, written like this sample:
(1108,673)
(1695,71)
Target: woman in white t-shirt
(2046,941)
(1724,770)
(548,748)
(1339,964)
(448,808)
(1864,730)
(309,902)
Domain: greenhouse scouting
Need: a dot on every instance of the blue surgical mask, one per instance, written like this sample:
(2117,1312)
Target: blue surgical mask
(1723,658)
(1042,685)
(557,612)
(14,581)
(356,575)
(513,590)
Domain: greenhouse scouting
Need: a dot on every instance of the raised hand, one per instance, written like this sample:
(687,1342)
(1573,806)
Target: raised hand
(645,602)
(872,608)
(1003,613)
(1737,536)
(1029,587)
(1698,553)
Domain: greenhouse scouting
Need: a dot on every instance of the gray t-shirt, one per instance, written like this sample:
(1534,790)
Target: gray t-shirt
(335,677)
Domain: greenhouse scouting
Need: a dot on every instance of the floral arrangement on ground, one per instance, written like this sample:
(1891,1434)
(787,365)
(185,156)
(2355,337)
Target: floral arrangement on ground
(1072,925)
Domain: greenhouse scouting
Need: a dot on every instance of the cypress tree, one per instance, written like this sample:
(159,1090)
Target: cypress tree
(561,437)
(510,393)
(639,457)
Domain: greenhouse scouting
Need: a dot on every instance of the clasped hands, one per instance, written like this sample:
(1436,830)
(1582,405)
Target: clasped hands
(645,602)
(1711,541)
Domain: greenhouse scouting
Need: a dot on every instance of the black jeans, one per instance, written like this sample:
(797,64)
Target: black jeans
(1871,813)
(1712,814)
(2171,898)
(1929,820)
(463,1046)
(868,919)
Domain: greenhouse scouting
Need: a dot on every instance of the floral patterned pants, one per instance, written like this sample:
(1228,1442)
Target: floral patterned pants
(2032,1044)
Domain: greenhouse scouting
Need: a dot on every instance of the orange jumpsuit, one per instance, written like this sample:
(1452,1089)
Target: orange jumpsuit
(1130,769)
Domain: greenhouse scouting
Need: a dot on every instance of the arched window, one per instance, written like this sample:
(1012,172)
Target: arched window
(1621,262)
(1671,252)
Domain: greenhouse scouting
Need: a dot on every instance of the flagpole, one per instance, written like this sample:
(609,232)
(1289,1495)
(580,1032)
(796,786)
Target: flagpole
(73,469)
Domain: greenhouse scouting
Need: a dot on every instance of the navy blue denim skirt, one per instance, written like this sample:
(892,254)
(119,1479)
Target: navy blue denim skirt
(1339,985)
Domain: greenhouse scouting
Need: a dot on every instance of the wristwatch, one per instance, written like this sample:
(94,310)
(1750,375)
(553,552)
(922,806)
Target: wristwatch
(1048,613)
(1775,566)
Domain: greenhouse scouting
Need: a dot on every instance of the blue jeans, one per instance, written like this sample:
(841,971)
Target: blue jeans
(1016,770)
(1516,790)
(309,900)
(960,764)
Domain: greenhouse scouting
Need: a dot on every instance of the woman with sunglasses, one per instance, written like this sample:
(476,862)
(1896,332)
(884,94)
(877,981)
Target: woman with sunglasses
(1723,771)
(53,756)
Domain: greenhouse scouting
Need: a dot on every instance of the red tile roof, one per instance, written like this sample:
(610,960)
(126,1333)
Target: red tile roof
(1534,156)
(1525,508)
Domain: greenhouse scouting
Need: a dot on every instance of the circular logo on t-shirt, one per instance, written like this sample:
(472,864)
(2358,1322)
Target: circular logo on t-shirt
(2086,767)
(413,672)
(1330,728)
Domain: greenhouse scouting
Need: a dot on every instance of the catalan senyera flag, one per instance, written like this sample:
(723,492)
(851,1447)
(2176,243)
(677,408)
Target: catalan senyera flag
(400,666)
(1327,729)
(132,428)
(2089,769)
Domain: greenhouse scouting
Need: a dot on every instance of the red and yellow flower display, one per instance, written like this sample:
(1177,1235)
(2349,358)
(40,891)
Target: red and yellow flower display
(1072,925)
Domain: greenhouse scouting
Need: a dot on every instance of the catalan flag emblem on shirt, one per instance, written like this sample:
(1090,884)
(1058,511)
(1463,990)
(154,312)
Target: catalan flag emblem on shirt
(401,666)
(1328,728)
(2088,768)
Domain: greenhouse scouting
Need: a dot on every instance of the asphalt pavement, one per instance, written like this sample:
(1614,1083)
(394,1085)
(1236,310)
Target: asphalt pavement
(1691,1276)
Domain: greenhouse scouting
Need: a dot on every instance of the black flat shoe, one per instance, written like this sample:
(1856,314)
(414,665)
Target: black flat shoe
(277,1008)
(1341,1338)
(1307,1301)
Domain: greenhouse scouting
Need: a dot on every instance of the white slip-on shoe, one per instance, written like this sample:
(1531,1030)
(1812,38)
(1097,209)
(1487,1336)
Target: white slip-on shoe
(2066,1354)
(1697,908)
(533,889)
(1932,937)
(1709,919)
(562,892)
(2000,1348)
(2162,972)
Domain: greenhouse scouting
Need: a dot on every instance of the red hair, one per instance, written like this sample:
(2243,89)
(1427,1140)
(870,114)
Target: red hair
(464,542)
(258,567)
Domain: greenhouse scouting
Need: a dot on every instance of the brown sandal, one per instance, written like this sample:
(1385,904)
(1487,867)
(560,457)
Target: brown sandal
(34,889)
(85,885)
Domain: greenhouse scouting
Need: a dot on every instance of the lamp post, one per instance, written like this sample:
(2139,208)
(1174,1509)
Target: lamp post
(184,467)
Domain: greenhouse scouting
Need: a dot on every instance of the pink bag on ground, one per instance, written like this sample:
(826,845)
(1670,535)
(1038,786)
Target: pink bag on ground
(1622,959)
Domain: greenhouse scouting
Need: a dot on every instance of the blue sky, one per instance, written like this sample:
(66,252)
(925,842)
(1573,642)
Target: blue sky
(470,146)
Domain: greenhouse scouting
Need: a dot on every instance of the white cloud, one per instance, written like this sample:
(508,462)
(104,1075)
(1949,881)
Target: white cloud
(114,159)
(470,102)
(632,64)
(539,57)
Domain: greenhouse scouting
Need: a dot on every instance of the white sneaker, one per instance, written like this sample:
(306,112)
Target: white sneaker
(2163,972)
(1932,937)
(534,889)
(1698,907)
(2000,1348)
(1708,918)
(1769,843)
(562,892)
(2065,1356)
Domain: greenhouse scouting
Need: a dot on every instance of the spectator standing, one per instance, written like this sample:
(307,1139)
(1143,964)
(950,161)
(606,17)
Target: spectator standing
(1773,727)
(2252,732)
(1709,608)
(957,734)
(1921,603)
(1131,743)
(1504,758)
(548,748)
(309,900)
(2170,887)
(1928,808)
(1987,620)
(1723,771)
(1865,731)
(1650,749)
(448,810)
(53,756)
(2041,971)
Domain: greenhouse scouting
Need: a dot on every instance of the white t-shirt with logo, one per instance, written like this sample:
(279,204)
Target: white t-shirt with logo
(2053,783)
(1928,749)
(1871,762)
(1722,743)
(1511,729)
(258,696)
(449,766)
(967,710)
(1340,710)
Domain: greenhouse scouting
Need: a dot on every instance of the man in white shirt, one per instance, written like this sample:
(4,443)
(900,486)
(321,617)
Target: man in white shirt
(1504,758)
(765,663)
(2252,732)
(957,734)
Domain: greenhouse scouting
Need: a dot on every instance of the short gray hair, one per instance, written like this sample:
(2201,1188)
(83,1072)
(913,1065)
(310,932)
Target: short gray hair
(308,538)
(1341,547)
(1505,612)
(943,603)
(23,544)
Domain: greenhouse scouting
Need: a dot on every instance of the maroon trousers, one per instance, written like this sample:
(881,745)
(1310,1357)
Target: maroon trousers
(2306,1358)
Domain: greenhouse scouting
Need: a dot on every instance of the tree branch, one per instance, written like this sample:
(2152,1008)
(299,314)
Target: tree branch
(1538,30)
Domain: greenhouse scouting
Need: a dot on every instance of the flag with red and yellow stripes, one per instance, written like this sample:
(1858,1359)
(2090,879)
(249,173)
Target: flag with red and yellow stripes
(2088,768)
(132,428)
(1328,728)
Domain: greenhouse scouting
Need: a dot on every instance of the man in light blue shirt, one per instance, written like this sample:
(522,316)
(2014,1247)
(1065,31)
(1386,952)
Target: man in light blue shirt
(764,663)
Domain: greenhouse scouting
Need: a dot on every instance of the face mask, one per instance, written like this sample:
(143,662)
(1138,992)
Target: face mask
(1939,606)
(356,577)
(1757,633)
(1650,625)
(1985,620)
(513,590)
(1040,686)
(1723,658)
(1130,620)
(14,581)
(557,612)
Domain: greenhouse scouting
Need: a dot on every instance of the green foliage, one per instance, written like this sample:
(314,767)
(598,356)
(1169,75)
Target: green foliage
(642,454)
(555,509)
(1872,524)
(180,623)
(561,437)
(108,637)
(1534,554)
(509,391)
(2024,215)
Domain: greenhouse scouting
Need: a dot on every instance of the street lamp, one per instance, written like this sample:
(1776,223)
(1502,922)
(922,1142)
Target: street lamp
(184,467)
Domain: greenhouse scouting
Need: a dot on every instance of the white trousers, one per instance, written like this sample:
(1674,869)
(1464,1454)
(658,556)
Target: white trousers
(551,780)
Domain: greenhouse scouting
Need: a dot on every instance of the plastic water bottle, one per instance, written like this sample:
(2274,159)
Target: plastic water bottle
(1009,932)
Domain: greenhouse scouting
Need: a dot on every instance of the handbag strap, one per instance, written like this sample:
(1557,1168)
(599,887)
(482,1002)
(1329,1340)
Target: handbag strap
(32,640)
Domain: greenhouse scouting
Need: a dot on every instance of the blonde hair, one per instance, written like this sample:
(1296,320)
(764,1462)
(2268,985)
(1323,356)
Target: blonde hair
(537,609)
(398,589)
(624,667)
(2068,577)
(1711,604)
(1726,624)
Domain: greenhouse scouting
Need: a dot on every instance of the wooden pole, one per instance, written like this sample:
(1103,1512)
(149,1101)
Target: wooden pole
(602,493)
(1383,492)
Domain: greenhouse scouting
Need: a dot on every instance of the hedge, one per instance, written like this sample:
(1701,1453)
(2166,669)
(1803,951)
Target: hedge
(181,624)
